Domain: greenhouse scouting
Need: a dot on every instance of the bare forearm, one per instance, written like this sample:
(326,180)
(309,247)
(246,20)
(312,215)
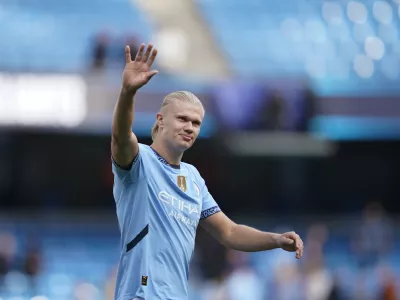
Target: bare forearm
(247,239)
(123,116)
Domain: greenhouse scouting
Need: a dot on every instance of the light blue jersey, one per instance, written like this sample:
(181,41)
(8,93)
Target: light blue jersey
(158,207)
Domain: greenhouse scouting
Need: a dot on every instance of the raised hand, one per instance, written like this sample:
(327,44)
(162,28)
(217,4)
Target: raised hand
(137,73)
(290,241)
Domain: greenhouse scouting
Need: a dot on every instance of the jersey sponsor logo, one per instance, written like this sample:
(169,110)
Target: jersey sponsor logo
(182,183)
(183,219)
(179,204)
(182,211)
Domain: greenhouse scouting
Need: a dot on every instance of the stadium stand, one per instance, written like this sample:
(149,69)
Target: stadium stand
(344,46)
(48,35)
(331,41)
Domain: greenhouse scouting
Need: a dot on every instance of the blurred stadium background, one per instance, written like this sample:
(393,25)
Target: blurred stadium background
(302,133)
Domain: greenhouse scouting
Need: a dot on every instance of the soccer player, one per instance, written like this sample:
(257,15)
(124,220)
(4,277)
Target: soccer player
(160,200)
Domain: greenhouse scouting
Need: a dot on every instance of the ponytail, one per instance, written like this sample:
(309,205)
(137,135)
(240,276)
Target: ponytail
(154,131)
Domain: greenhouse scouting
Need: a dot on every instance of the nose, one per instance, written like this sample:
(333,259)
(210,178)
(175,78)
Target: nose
(189,127)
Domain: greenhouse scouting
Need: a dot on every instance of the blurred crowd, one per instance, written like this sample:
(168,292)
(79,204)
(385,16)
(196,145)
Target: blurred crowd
(221,274)
(367,272)
(107,50)
(19,263)
(361,265)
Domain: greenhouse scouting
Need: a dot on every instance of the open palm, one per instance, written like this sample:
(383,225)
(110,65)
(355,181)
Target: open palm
(138,72)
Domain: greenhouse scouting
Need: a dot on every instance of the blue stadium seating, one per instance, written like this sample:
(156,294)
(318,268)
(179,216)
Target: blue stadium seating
(316,38)
(55,35)
(326,40)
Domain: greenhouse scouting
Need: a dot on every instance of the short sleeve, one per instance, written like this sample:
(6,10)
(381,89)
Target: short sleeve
(209,205)
(131,174)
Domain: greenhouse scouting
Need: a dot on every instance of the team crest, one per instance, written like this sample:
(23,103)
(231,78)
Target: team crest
(182,183)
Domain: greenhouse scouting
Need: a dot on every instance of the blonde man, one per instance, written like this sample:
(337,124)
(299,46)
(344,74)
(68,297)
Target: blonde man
(161,200)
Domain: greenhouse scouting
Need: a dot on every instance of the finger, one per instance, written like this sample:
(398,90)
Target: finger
(147,54)
(128,54)
(152,58)
(150,74)
(288,241)
(301,244)
(290,235)
(299,252)
(139,54)
(298,242)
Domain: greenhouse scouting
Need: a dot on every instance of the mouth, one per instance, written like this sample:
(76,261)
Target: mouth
(187,138)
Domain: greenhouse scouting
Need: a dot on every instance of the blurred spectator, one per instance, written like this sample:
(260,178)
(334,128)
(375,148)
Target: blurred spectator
(3,269)
(211,260)
(389,288)
(109,51)
(86,291)
(215,289)
(287,283)
(242,282)
(133,43)
(32,264)
(8,248)
(373,239)
(99,51)
(273,113)
(212,256)
(318,279)
(335,293)
(308,108)
(360,289)
(110,284)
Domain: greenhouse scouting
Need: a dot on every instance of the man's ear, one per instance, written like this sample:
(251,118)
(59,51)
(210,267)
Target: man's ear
(160,120)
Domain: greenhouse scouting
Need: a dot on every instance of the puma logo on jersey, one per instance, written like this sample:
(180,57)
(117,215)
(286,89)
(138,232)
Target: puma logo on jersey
(144,280)
(196,188)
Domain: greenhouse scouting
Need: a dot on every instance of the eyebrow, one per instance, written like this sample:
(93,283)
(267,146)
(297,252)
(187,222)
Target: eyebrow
(198,121)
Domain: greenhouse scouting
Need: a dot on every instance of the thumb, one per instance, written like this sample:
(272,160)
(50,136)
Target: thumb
(150,74)
(288,241)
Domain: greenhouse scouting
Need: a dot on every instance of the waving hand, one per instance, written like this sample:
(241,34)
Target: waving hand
(138,72)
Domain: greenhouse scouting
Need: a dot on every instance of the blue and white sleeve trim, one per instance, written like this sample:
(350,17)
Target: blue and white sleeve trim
(209,212)
(130,166)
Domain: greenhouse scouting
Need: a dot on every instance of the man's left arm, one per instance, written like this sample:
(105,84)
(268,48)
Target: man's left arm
(248,239)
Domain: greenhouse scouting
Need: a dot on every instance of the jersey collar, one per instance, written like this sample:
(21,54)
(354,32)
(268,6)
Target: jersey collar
(161,159)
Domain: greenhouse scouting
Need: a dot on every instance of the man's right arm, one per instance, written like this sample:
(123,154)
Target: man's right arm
(124,144)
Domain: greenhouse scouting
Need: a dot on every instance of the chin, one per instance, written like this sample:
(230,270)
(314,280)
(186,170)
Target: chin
(184,145)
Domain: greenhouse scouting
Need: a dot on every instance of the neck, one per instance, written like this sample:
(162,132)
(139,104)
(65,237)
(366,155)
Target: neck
(172,157)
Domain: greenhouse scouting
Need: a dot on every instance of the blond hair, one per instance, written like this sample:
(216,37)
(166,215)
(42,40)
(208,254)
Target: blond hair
(179,95)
